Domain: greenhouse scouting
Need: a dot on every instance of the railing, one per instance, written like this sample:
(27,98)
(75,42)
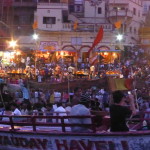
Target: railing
(87,27)
(25,4)
(60,121)
(119,2)
(121,13)
(52,4)
(32,121)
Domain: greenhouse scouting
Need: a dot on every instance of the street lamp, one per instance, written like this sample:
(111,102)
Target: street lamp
(35,37)
(12,44)
(119,37)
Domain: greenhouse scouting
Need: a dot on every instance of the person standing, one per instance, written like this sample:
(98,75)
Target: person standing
(119,111)
(76,96)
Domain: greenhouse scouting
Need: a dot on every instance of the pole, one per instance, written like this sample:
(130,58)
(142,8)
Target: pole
(68,88)
(135,91)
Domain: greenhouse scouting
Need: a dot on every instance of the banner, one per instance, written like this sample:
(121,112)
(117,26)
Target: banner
(119,84)
(59,141)
(48,46)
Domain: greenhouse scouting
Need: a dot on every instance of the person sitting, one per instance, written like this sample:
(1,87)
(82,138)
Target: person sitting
(60,111)
(24,109)
(81,109)
(15,110)
(7,112)
(119,112)
(49,112)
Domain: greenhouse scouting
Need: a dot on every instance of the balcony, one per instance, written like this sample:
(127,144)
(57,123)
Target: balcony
(121,13)
(80,28)
(92,27)
(53,4)
(87,27)
(119,2)
(24,4)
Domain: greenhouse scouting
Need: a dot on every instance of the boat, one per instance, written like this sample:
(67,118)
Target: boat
(30,134)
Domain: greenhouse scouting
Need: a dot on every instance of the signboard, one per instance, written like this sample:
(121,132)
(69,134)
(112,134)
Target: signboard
(48,46)
(17,141)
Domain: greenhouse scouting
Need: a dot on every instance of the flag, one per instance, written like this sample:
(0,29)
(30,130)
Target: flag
(75,25)
(118,24)
(93,60)
(98,38)
(120,84)
(35,25)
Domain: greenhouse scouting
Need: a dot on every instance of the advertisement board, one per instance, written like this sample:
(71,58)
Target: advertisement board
(15,141)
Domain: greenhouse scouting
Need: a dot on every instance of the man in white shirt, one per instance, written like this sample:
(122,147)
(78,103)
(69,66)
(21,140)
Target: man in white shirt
(60,111)
(81,109)
(15,110)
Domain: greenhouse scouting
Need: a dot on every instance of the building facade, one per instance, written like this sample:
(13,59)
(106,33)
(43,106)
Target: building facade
(72,25)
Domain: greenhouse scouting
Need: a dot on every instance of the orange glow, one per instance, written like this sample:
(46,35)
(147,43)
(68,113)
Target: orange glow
(105,53)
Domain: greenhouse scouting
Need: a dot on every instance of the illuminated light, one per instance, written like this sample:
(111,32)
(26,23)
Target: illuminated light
(35,36)
(119,37)
(12,57)
(6,55)
(1,54)
(18,53)
(114,54)
(12,44)
(105,53)
(62,53)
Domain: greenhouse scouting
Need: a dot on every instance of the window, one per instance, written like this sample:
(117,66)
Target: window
(99,10)
(16,19)
(130,29)
(139,14)
(24,20)
(145,7)
(76,41)
(49,20)
(78,8)
(65,16)
(134,11)
(71,8)
(122,8)
(135,30)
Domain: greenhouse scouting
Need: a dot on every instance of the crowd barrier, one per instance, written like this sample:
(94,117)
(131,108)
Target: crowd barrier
(29,133)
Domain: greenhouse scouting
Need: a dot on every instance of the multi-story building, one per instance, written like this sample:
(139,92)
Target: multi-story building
(56,21)
(72,25)
(16,19)
(145,26)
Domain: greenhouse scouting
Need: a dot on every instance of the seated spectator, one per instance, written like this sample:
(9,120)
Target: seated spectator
(81,109)
(60,111)
(49,112)
(68,108)
(24,110)
(15,109)
(7,112)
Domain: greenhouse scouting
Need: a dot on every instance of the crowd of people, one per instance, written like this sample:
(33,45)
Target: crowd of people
(36,101)
(133,62)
